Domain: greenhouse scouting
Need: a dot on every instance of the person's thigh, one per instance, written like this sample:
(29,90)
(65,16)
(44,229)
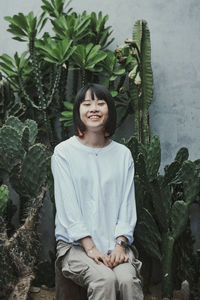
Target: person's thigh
(128,277)
(99,280)
(77,266)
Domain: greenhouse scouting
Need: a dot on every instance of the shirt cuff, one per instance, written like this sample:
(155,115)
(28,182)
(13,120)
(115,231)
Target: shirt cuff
(78,231)
(123,228)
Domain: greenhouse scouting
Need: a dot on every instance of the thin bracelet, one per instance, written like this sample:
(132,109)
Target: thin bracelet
(90,249)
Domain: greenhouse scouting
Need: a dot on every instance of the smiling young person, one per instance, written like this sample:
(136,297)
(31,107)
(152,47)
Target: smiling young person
(95,202)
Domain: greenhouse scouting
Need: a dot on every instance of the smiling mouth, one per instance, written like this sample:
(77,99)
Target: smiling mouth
(94,117)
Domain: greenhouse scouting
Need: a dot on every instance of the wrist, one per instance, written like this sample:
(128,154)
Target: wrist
(121,243)
(90,249)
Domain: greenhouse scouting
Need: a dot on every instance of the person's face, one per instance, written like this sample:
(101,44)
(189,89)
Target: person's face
(93,113)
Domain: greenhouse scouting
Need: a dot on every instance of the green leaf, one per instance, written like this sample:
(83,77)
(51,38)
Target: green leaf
(68,105)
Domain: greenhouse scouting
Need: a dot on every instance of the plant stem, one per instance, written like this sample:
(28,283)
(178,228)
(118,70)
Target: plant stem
(167,250)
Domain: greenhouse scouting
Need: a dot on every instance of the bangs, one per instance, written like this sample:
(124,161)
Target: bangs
(94,91)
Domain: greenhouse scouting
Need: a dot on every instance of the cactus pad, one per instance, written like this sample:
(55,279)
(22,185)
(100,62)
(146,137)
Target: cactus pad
(10,146)
(33,172)
(33,129)
(3,198)
(15,123)
(182,155)
(179,218)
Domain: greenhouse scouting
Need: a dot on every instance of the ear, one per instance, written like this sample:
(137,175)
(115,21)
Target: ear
(80,133)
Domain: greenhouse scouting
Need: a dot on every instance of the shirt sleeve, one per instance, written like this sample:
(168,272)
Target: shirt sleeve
(127,214)
(67,208)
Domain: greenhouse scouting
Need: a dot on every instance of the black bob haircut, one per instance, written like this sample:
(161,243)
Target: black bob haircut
(102,94)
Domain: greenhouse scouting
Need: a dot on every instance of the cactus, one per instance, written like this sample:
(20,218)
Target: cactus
(135,57)
(10,147)
(3,198)
(160,196)
(8,105)
(153,158)
(33,169)
(24,163)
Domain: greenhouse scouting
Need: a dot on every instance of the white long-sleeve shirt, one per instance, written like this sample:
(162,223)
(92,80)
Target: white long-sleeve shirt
(94,193)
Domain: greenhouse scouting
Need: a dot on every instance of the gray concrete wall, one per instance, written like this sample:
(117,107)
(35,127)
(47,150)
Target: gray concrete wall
(174,27)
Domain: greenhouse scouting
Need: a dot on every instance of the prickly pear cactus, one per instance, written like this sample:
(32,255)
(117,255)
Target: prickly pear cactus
(8,105)
(165,199)
(33,130)
(11,147)
(3,198)
(33,170)
(24,164)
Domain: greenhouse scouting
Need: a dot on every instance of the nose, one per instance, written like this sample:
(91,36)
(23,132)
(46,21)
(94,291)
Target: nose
(94,106)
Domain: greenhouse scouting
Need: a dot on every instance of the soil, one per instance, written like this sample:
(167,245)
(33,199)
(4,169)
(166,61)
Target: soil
(49,294)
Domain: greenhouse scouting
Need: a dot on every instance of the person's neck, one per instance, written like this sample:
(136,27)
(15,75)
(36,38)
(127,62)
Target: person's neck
(94,140)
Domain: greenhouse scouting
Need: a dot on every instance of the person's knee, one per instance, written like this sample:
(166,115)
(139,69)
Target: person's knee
(105,280)
(129,281)
(110,279)
(104,286)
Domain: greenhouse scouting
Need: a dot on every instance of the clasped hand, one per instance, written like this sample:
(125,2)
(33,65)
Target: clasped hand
(116,257)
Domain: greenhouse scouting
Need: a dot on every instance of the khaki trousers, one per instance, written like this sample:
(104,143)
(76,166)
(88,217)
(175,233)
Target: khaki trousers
(102,283)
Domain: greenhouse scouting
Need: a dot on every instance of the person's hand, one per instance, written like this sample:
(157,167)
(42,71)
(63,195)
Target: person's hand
(99,257)
(118,256)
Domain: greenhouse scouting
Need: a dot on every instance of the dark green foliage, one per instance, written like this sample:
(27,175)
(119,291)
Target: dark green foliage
(186,263)
(23,163)
(146,224)
(162,202)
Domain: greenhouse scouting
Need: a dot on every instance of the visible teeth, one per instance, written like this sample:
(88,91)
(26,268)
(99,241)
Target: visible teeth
(94,117)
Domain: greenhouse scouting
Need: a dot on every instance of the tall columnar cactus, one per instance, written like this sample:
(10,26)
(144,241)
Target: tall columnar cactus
(162,212)
(24,162)
(135,56)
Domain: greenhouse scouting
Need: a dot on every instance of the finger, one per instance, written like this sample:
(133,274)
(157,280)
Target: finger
(112,258)
(122,258)
(126,258)
(106,261)
(96,260)
(109,262)
(116,261)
